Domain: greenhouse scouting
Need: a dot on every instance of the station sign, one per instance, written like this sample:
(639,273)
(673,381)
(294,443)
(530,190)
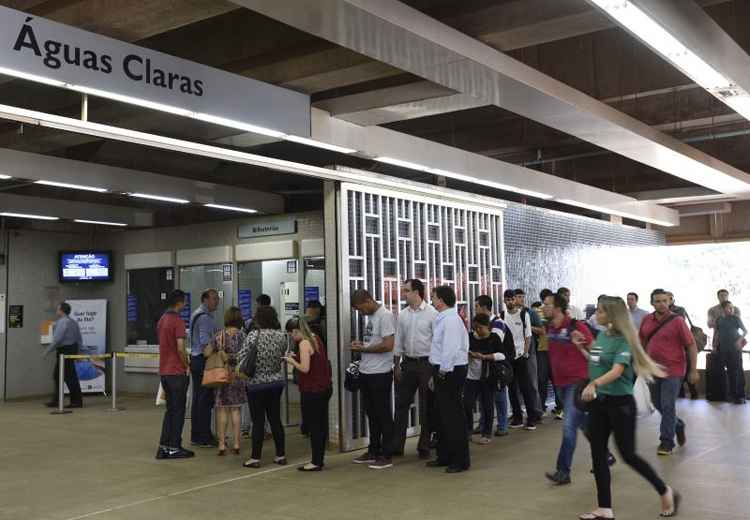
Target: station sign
(83,60)
(283,226)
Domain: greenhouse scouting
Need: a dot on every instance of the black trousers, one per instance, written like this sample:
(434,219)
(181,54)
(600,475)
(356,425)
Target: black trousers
(203,402)
(522,382)
(415,376)
(453,443)
(264,404)
(70,376)
(544,373)
(315,414)
(175,388)
(377,392)
(731,358)
(616,415)
(484,390)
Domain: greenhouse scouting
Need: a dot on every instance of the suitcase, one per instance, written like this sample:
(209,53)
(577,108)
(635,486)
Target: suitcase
(716,378)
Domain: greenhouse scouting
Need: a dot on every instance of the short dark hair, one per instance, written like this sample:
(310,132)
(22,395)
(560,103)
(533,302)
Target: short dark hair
(563,290)
(207,293)
(482,319)
(361,296)
(416,285)
(314,304)
(721,291)
(561,302)
(544,293)
(445,293)
(635,295)
(484,301)
(519,292)
(265,317)
(65,307)
(233,318)
(536,305)
(508,294)
(175,297)
(725,304)
(658,292)
(263,300)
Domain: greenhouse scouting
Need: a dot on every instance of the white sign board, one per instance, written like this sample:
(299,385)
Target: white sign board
(91,316)
(33,45)
(261,229)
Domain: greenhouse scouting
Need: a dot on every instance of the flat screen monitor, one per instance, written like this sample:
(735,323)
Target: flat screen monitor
(85,266)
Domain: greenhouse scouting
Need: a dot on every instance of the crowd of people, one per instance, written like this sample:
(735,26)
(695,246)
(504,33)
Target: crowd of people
(506,362)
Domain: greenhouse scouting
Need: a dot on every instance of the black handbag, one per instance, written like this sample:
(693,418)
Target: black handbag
(351,377)
(584,406)
(502,373)
(248,358)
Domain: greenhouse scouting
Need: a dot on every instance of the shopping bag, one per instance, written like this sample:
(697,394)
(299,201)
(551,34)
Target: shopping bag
(642,396)
(161,396)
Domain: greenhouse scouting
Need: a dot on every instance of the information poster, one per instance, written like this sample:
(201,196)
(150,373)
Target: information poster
(245,300)
(91,316)
(311,294)
(15,316)
(132,308)
(186,311)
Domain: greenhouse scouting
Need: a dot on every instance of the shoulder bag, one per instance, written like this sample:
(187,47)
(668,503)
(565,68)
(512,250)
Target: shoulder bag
(248,359)
(217,373)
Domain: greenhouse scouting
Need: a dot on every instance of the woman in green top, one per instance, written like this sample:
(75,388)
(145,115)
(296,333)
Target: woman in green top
(615,357)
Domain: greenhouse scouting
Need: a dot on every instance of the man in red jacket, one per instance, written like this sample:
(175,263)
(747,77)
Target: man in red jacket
(569,343)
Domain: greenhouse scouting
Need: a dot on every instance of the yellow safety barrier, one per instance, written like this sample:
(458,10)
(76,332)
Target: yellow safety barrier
(135,355)
(88,356)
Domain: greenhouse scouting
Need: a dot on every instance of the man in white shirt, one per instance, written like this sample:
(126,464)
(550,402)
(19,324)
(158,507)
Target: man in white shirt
(573,311)
(636,313)
(376,378)
(519,324)
(411,357)
(449,357)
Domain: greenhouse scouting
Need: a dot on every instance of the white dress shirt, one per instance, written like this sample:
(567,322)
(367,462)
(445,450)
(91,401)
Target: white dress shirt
(414,331)
(450,341)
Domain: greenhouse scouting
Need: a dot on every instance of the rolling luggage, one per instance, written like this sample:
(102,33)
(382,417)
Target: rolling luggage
(716,378)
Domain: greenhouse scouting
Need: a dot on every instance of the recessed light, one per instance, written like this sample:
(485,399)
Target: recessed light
(71,186)
(158,197)
(27,215)
(231,208)
(99,222)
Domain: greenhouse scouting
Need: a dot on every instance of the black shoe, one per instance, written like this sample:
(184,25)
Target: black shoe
(456,469)
(516,423)
(664,450)
(558,478)
(530,426)
(190,453)
(161,453)
(739,401)
(74,405)
(436,464)
(423,455)
(177,454)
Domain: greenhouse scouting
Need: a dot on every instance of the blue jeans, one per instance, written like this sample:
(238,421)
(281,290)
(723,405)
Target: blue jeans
(575,419)
(664,396)
(501,406)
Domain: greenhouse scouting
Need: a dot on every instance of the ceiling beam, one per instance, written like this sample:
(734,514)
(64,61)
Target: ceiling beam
(400,36)
(32,166)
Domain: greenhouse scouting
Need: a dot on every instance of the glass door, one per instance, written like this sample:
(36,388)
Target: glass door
(148,290)
(195,279)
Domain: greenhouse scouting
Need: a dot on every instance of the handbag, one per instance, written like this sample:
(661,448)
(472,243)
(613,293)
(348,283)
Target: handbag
(216,372)
(643,404)
(248,359)
(351,377)
(700,337)
(502,373)
(584,406)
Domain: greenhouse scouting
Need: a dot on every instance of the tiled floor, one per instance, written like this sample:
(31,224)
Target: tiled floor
(93,464)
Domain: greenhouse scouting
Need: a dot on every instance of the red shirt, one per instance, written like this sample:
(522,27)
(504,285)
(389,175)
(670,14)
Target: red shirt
(668,346)
(569,366)
(170,328)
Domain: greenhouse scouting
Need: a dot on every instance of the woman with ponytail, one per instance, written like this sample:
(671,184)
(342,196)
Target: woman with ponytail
(615,358)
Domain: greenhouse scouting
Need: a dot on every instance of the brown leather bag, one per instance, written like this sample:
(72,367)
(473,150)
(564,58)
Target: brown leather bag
(216,372)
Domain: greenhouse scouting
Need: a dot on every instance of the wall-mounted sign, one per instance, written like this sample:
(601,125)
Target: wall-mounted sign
(311,294)
(186,311)
(226,270)
(291,266)
(245,303)
(132,308)
(276,227)
(68,57)
(15,316)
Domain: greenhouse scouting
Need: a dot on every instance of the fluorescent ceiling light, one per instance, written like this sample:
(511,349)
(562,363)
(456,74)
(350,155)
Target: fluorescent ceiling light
(130,100)
(71,186)
(238,124)
(99,222)
(608,211)
(231,208)
(663,42)
(27,215)
(319,144)
(158,197)
(5,177)
(403,164)
(216,152)
(31,77)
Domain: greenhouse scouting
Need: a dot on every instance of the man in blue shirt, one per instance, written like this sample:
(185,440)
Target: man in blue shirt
(202,329)
(66,339)
(449,356)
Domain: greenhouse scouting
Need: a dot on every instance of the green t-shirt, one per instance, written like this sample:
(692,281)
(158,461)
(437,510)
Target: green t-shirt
(606,352)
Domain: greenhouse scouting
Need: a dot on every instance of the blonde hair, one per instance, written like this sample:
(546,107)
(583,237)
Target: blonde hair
(300,323)
(622,324)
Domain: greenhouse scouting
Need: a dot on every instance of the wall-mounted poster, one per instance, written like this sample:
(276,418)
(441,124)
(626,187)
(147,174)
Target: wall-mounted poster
(91,316)
(15,316)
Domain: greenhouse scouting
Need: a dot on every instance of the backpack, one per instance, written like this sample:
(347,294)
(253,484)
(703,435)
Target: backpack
(524,313)
(193,321)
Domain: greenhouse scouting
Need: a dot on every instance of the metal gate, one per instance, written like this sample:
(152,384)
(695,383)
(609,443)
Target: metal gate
(386,237)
